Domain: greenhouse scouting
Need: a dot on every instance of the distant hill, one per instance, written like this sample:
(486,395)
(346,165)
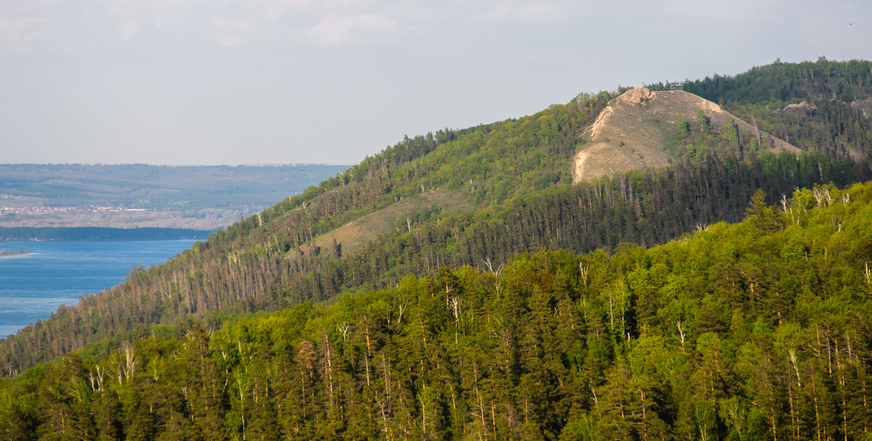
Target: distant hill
(140,195)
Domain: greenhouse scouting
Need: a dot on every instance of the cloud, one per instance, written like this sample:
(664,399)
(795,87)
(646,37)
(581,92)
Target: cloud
(334,30)
(728,9)
(524,12)
(72,25)
(16,33)
(128,29)
(231,31)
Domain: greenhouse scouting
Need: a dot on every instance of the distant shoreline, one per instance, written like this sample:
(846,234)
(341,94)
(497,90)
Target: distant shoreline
(10,253)
(94,234)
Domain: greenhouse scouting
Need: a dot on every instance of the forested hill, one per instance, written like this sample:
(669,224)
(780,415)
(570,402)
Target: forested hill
(827,98)
(457,197)
(268,262)
(759,330)
(779,82)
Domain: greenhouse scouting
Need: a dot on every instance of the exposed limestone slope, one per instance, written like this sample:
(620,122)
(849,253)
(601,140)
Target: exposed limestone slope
(631,132)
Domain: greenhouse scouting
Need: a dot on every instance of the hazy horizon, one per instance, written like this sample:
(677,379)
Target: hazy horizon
(283,164)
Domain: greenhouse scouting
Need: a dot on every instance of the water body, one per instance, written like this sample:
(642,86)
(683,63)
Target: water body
(53,273)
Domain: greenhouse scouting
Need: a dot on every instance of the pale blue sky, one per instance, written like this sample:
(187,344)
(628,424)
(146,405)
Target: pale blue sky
(299,81)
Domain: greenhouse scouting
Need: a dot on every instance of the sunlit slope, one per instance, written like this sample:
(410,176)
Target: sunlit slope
(636,128)
(423,208)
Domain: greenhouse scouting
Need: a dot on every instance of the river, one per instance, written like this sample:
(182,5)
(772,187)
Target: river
(33,285)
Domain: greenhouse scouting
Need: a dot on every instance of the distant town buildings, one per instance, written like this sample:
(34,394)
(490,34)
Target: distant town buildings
(39,210)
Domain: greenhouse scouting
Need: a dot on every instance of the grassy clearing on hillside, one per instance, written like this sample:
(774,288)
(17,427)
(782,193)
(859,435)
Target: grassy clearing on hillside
(415,209)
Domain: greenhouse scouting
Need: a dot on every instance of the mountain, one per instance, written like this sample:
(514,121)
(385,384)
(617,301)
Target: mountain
(477,197)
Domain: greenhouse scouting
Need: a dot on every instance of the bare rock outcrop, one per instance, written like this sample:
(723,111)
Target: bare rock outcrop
(631,132)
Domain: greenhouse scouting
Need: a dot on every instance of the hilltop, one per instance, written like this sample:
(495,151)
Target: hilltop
(635,129)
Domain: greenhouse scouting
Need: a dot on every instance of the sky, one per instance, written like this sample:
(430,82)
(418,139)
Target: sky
(210,82)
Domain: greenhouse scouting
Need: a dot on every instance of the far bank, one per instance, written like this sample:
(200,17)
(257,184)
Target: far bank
(86,234)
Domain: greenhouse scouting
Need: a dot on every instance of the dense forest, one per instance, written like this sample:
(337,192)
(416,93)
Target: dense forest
(827,121)
(779,82)
(515,172)
(646,208)
(757,330)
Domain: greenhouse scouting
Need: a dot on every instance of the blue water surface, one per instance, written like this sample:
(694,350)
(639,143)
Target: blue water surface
(34,285)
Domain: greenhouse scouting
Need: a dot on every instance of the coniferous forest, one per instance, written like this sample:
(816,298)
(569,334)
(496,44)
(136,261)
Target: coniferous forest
(758,330)
(724,297)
